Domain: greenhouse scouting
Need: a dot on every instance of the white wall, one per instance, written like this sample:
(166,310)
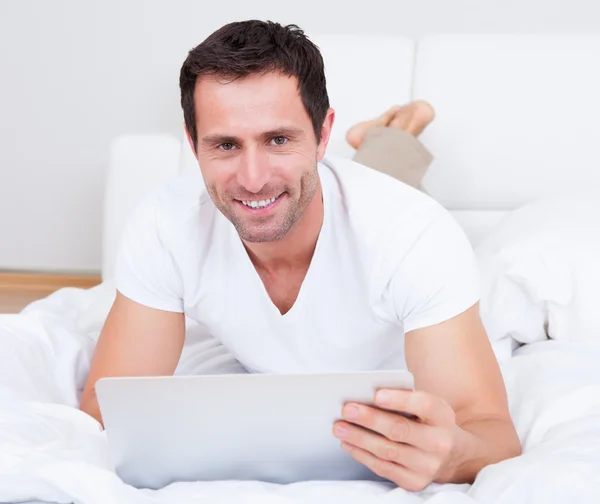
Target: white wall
(73,74)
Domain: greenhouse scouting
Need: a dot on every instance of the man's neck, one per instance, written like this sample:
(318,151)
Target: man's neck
(296,248)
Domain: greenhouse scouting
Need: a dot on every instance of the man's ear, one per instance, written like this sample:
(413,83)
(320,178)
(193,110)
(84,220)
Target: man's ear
(191,142)
(325,133)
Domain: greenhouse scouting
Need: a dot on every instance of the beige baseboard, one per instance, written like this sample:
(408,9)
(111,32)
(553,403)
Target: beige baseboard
(46,281)
(17,290)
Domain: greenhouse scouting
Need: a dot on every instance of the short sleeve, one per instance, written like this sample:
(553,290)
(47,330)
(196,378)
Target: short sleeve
(438,277)
(145,268)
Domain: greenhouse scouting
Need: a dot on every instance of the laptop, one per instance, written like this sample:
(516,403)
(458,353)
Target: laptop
(261,427)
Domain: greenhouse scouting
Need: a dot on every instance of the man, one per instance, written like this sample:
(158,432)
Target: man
(296,262)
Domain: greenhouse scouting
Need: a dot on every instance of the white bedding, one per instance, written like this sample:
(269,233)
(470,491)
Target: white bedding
(51,452)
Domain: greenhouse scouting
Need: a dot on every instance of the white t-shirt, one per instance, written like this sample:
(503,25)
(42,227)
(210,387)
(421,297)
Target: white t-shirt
(389,259)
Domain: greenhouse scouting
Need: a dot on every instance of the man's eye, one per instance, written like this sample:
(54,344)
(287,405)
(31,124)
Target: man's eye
(280,140)
(226,146)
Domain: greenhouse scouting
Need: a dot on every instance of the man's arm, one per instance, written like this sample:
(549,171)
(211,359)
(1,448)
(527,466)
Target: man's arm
(454,361)
(135,341)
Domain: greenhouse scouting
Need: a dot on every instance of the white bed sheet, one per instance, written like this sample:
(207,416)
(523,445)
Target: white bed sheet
(51,452)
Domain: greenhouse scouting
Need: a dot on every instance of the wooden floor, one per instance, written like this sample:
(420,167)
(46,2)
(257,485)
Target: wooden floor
(17,290)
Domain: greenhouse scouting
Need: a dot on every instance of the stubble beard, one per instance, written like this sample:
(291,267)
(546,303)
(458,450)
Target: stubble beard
(275,227)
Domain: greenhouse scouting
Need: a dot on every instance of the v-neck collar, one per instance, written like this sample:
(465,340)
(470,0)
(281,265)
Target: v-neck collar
(310,273)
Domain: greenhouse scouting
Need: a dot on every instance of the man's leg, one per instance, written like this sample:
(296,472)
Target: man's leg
(389,142)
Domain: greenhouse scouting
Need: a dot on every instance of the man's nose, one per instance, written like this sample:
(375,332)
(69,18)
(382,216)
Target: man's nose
(254,170)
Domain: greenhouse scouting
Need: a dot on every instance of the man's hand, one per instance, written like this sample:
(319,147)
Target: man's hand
(463,422)
(411,452)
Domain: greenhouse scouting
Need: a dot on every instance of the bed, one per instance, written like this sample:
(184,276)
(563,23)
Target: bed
(516,143)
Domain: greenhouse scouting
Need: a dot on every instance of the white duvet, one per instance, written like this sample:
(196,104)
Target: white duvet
(51,452)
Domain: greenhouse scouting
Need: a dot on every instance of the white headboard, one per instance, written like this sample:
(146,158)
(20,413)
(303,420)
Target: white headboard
(517,118)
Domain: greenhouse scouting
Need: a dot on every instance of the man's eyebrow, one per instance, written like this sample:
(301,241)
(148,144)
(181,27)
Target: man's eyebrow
(286,131)
(217,138)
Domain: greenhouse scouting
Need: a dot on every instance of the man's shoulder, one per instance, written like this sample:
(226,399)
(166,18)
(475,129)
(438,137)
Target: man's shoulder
(176,198)
(378,205)
(173,211)
(410,244)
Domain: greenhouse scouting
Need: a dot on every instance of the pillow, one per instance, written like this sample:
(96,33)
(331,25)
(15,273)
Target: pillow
(540,272)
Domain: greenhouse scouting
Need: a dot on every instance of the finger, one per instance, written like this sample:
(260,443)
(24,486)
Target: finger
(427,407)
(396,473)
(393,426)
(412,458)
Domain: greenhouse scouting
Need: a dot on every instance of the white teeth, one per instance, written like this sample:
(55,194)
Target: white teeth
(260,203)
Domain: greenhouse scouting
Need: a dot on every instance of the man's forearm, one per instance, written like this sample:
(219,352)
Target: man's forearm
(481,443)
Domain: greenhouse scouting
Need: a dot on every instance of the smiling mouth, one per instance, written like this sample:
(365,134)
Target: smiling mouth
(264,203)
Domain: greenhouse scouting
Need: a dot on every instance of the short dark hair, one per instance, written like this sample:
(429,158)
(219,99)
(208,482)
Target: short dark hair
(242,48)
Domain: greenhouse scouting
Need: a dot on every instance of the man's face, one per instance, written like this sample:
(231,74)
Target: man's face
(258,152)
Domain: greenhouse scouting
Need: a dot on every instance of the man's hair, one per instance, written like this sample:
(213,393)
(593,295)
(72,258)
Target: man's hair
(242,48)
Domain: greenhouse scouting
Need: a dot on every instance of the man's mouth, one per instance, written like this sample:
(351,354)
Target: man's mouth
(263,203)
